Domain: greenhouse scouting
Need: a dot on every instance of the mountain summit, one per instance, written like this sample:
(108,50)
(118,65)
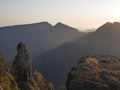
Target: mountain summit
(59,23)
(105,40)
(41,36)
(109,26)
(61,26)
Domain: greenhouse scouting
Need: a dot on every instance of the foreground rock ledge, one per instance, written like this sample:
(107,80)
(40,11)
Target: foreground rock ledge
(95,72)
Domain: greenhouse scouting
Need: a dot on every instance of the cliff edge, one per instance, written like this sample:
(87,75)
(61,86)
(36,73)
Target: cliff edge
(95,72)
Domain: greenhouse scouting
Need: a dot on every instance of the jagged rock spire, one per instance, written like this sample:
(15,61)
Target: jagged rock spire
(22,68)
(21,47)
(25,76)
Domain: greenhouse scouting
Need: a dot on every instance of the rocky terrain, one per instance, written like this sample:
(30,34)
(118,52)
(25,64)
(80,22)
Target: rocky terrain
(7,81)
(26,77)
(95,72)
(22,76)
(57,62)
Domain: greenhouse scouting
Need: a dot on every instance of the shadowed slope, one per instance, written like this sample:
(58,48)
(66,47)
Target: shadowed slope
(105,40)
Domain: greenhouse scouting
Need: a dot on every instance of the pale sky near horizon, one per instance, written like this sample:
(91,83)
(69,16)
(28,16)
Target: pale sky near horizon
(81,14)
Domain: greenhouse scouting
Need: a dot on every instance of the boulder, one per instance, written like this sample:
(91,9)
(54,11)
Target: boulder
(95,72)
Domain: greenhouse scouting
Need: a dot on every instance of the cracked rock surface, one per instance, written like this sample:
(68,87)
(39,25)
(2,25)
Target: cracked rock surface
(95,72)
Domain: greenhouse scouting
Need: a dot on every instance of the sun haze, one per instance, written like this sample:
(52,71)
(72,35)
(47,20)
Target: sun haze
(82,14)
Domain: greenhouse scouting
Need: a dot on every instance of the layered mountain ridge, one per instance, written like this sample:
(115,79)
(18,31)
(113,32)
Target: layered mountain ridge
(57,48)
(105,40)
(41,36)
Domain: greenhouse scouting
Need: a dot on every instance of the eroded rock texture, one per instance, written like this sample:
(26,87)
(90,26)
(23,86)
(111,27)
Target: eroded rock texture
(25,76)
(7,81)
(95,72)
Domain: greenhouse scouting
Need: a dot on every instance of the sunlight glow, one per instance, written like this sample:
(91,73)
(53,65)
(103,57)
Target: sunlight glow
(82,14)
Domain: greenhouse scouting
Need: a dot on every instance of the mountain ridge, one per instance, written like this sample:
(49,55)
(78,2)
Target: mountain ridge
(37,23)
(104,40)
(59,24)
(41,35)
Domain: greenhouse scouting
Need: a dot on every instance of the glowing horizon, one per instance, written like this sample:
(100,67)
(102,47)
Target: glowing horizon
(81,14)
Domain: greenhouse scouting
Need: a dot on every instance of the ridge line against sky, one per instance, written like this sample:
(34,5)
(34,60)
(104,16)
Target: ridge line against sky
(81,14)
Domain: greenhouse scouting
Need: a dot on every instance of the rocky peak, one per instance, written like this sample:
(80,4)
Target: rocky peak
(115,26)
(95,72)
(25,76)
(61,25)
(22,68)
(23,53)
(21,48)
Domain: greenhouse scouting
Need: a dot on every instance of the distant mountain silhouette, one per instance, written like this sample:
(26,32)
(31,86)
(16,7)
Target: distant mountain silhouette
(57,62)
(39,37)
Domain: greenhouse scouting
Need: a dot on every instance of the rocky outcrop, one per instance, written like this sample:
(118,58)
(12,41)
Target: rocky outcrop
(25,76)
(7,82)
(95,72)
(22,68)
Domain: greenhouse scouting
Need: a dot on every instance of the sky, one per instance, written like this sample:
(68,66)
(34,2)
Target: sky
(81,14)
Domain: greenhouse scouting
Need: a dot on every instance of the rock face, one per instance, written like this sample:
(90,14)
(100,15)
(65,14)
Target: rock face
(22,68)
(95,72)
(7,82)
(25,76)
